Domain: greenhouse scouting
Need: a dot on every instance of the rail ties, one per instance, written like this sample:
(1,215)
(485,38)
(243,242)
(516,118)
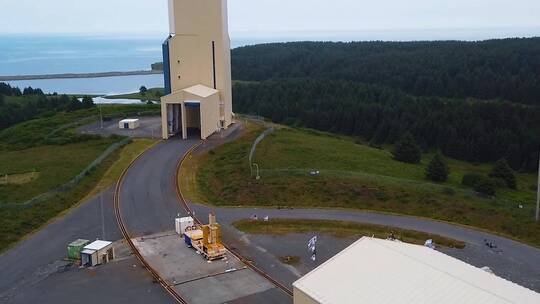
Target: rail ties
(186,207)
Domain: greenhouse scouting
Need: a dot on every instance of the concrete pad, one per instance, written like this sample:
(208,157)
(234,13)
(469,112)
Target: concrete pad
(196,279)
(176,263)
(270,296)
(224,288)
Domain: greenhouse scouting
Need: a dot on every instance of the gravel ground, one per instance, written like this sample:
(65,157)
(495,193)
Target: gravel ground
(150,128)
(34,270)
(511,260)
(328,246)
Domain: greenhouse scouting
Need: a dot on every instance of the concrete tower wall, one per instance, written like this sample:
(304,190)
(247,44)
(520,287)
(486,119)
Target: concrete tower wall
(200,48)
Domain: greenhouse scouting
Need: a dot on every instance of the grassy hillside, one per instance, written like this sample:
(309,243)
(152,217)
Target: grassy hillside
(41,154)
(54,166)
(354,176)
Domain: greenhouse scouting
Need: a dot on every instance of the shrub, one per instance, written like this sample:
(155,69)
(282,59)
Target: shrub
(502,170)
(471,179)
(407,150)
(485,186)
(437,170)
(449,191)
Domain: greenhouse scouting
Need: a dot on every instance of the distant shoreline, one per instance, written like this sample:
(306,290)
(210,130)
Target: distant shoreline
(79,75)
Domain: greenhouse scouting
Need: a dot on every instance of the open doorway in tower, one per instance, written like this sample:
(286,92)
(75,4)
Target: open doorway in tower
(193,118)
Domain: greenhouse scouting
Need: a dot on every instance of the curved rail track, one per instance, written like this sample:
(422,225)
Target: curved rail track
(170,290)
(185,205)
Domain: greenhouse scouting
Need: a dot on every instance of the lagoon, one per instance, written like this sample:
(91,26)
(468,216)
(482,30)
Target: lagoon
(93,86)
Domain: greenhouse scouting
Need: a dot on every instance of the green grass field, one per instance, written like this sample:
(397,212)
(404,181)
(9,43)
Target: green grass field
(354,176)
(49,151)
(342,229)
(55,165)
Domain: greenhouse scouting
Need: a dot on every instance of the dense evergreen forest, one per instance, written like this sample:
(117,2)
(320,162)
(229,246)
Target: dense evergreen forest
(475,101)
(472,130)
(508,69)
(17,106)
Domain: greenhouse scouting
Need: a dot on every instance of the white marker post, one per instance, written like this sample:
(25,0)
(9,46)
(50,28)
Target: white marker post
(312,246)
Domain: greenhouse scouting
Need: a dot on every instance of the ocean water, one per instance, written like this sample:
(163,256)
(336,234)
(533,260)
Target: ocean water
(24,55)
(46,54)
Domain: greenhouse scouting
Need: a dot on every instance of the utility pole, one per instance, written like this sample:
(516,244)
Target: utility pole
(538,194)
(100,117)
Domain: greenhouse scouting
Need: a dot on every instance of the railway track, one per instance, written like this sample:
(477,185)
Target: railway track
(186,207)
(169,289)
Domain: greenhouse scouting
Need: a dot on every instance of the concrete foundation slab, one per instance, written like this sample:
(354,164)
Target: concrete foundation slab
(176,263)
(197,279)
(224,288)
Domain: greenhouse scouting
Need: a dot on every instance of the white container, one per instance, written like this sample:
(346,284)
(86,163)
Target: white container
(129,124)
(96,253)
(181,224)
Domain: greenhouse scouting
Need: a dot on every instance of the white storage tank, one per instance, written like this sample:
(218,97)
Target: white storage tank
(129,124)
(181,224)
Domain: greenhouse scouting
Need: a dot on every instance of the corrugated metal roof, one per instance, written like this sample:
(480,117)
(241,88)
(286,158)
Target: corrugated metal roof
(129,120)
(97,245)
(201,90)
(88,251)
(380,271)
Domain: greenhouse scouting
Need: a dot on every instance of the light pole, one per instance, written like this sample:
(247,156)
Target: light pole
(100,117)
(538,194)
(258,177)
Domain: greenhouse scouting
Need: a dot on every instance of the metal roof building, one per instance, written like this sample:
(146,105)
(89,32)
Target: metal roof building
(380,271)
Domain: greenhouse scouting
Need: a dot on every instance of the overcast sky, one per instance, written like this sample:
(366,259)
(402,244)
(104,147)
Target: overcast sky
(262,17)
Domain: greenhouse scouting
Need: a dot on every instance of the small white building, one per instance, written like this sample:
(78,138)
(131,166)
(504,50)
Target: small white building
(129,124)
(374,271)
(181,224)
(96,253)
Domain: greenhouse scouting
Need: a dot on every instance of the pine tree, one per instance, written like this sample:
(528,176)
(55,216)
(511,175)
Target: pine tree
(407,150)
(143,90)
(437,170)
(502,170)
(485,186)
(87,102)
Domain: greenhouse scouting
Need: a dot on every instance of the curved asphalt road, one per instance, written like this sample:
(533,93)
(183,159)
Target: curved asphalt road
(148,198)
(149,205)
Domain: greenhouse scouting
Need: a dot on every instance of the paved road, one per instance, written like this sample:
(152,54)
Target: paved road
(149,205)
(513,260)
(30,270)
(150,128)
(148,198)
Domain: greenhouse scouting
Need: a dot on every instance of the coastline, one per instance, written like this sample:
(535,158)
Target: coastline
(79,75)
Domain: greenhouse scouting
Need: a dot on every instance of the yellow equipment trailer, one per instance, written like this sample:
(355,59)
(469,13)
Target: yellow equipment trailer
(206,239)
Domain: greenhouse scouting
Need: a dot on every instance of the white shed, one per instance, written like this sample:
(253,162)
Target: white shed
(96,253)
(129,124)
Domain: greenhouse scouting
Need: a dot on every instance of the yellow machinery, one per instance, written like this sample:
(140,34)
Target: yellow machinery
(206,239)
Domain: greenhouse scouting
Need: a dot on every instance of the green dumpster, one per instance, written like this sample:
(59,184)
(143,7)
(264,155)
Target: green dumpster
(75,248)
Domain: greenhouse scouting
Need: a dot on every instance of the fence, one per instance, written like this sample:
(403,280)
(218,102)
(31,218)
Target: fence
(73,182)
(257,141)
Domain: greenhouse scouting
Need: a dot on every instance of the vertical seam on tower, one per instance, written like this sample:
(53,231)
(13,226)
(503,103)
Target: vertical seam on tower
(214,62)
